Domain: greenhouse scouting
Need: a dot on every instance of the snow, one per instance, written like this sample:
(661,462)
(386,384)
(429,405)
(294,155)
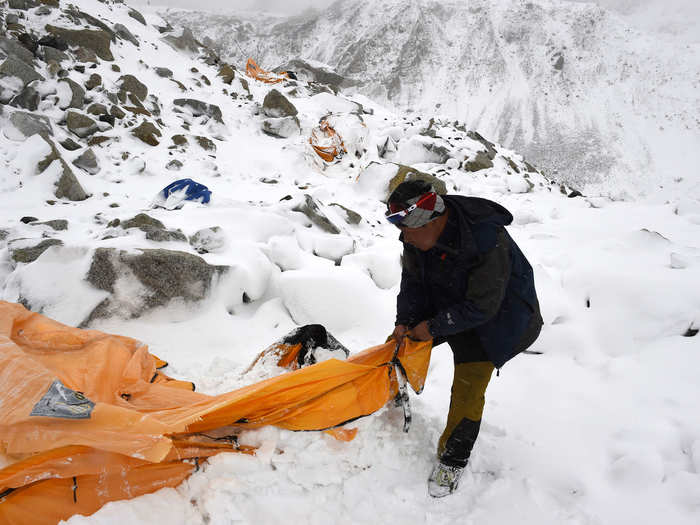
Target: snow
(600,428)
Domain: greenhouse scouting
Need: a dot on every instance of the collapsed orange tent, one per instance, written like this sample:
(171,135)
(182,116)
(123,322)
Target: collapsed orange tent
(253,70)
(326,142)
(87,418)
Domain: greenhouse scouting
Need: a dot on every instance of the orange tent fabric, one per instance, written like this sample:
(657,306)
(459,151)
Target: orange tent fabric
(87,418)
(326,142)
(253,70)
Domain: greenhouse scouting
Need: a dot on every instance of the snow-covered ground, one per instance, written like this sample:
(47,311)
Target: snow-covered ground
(601,428)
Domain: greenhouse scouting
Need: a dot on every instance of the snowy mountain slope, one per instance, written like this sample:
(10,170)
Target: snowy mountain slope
(601,428)
(572,86)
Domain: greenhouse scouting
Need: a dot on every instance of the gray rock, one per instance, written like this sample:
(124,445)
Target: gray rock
(28,98)
(4,234)
(313,212)
(131,84)
(162,274)
(70,144)
(29,124)
(350,216)
(51,53)
(174,165)
(133,13)
(407,173)
(147,132)
(284,127)
(227,74)
(43,10)
(76,15)
(199,108)
(23,5)
(205,143)
(32,253)
(67,186)
(123,32)
(490,146)
(480,162)
(277,105)
(159,235)
(185,42)
(142,221)
(77,100)
(53,41)
(13,67)
(81,125)
(12,48)
(56,224)
(163,72)
(97,41)
(87,161)
(83,54)
(305,71)
(97,109)
(94,81)
(559,64)
(208,240)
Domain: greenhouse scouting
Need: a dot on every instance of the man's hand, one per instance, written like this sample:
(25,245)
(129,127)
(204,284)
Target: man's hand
(400,331)
(420,332)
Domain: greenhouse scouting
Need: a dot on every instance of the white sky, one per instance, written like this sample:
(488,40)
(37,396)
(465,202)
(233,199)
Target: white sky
(676,17)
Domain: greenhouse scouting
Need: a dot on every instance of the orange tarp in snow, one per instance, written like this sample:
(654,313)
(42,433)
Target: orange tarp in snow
(255,71)
(326,142)
(107,425)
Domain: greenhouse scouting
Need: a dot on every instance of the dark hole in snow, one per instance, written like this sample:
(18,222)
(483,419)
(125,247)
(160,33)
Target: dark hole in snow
(246,299)
(588,303)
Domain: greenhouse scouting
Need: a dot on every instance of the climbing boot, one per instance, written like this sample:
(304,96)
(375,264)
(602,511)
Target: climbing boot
(444,480)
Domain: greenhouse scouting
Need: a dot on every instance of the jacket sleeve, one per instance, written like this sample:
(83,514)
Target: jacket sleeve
(410,303)
(485,291)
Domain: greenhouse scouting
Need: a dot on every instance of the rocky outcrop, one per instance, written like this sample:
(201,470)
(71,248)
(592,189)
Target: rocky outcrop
(79,124)
(96,41)
(277,105)
(162,275)
(87,161)
(147,132)
(30,254)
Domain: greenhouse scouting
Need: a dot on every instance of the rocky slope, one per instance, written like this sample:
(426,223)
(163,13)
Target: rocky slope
(569,84)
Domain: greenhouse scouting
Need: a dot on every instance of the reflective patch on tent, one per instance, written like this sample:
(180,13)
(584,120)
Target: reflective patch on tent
(61,401)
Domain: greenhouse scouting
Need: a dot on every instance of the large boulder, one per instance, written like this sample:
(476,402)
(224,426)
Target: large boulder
(67,185)
(87,161)
(9,47)
(133,13)
(198,108)
(13,67)
(123,32)
(28,254)
(81,125)
(28,99)
(24,125)
(97,41)
(147,132)
(77,95)
(276,105)
(481,161)
(131,84)
(159,276)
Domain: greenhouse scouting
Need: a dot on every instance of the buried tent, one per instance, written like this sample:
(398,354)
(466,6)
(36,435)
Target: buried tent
(87,417)
(253,70)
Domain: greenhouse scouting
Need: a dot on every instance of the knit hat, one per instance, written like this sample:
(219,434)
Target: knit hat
(414,204)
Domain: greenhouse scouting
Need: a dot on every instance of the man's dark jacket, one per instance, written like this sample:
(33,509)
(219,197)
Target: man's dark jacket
(474,278)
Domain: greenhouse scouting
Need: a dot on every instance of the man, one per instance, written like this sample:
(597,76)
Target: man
(465,282)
